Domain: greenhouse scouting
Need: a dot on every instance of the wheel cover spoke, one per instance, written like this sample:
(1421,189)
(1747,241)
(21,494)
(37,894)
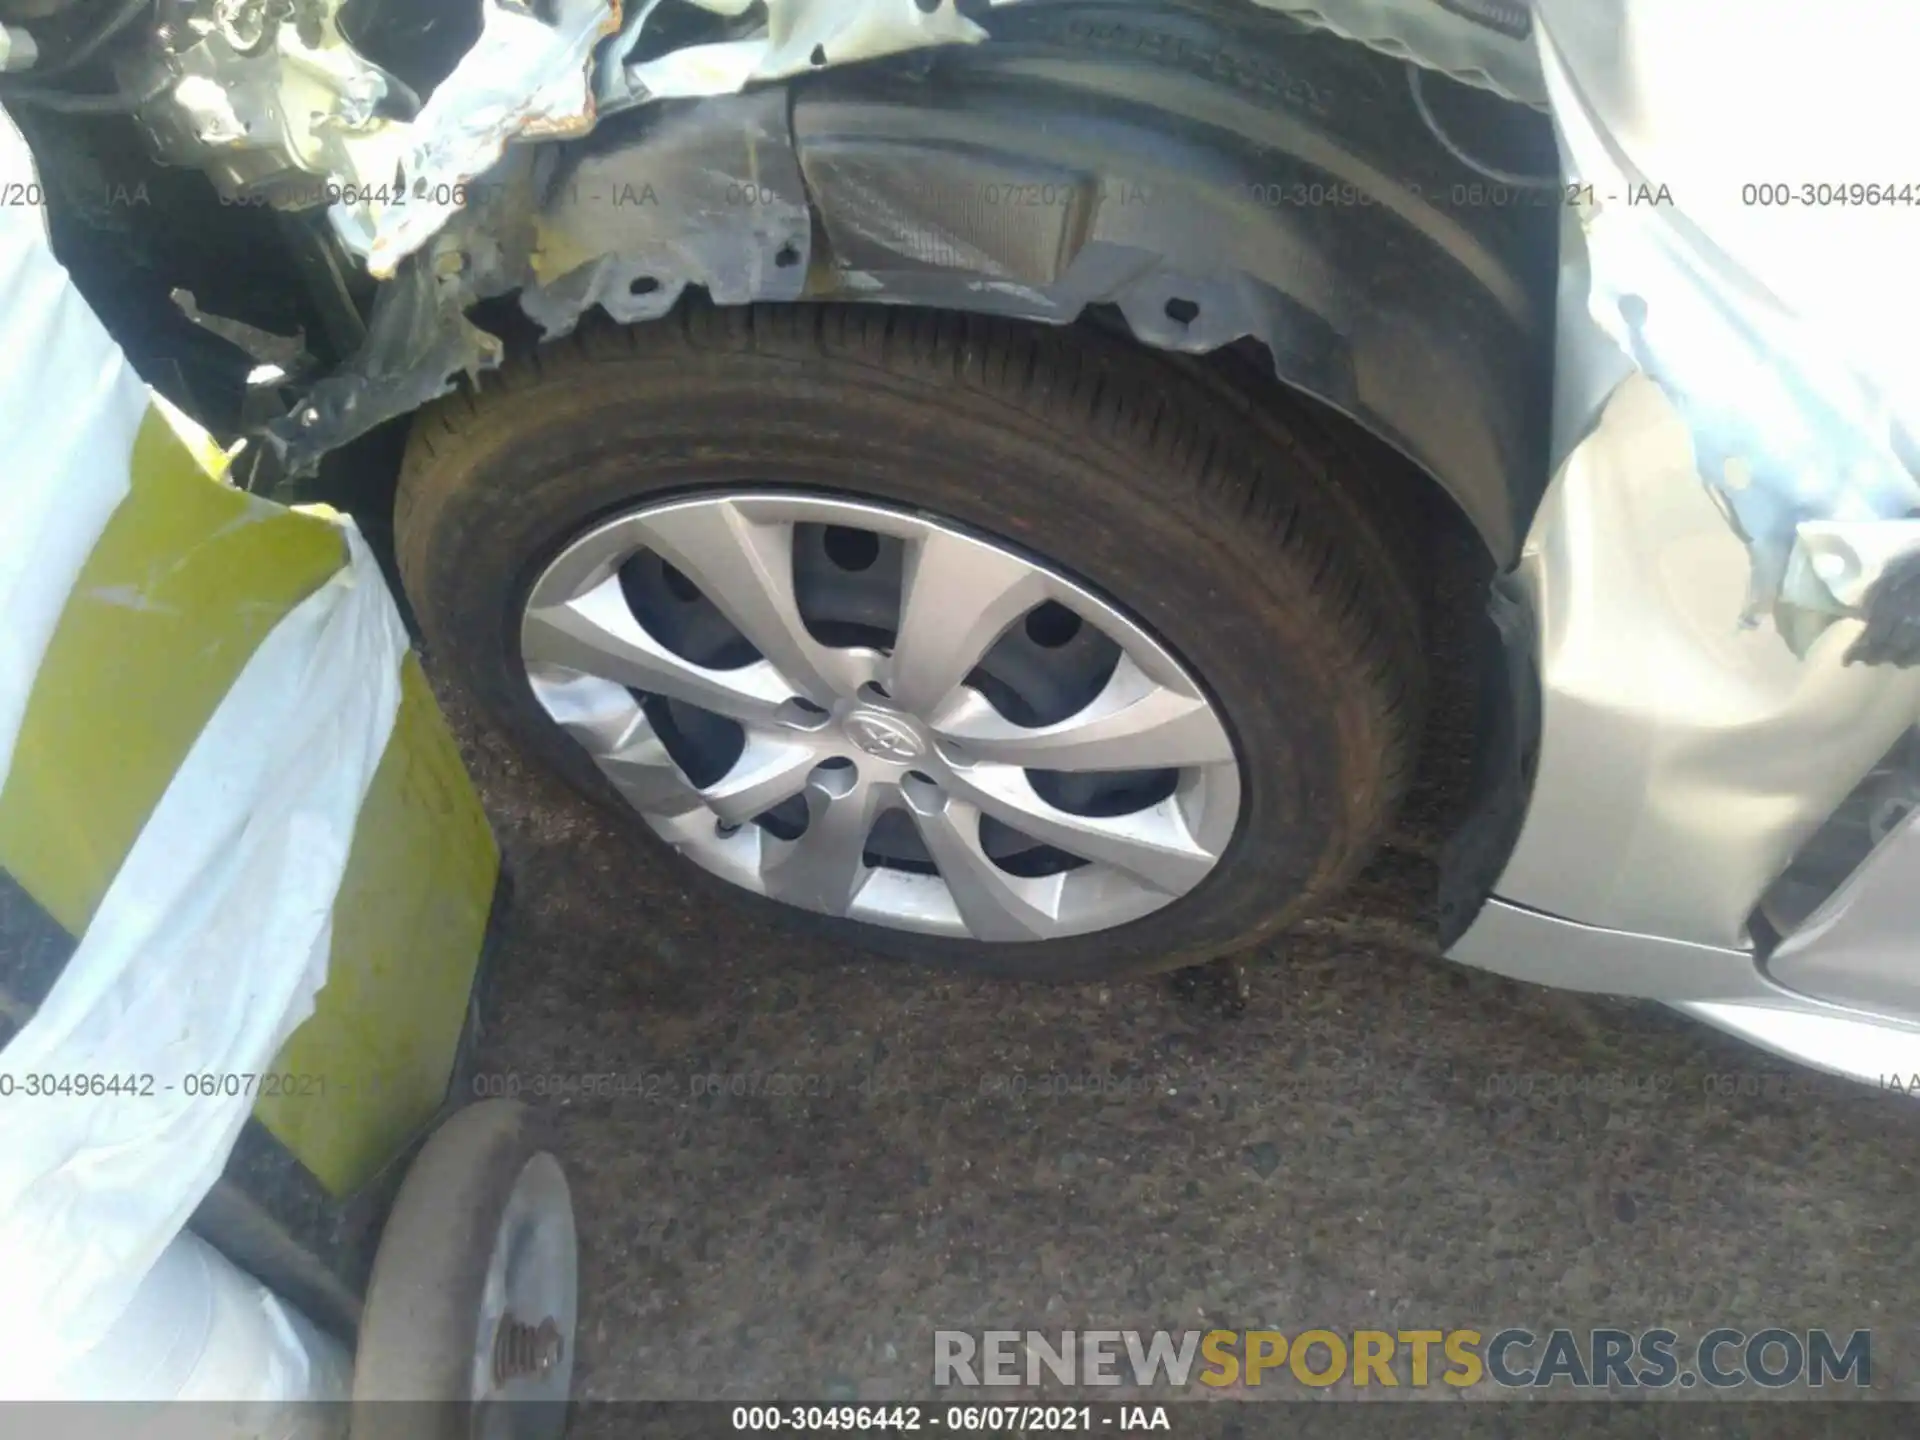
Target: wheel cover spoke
(768,771)
(957,596)
(994,904)
(1153,846)
(854,733)
(597,634)
(611,727)
(1133,724)
(825,868)
(745,567)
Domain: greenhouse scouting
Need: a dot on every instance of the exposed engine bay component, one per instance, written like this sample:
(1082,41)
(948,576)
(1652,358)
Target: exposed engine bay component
(272,107)
(62,44)
(272,102)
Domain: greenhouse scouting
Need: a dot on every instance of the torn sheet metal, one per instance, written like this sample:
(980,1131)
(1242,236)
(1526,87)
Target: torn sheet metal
(1485,43)
(524,78)
(1785,429)
(799,35)
(287,354)
(713,198)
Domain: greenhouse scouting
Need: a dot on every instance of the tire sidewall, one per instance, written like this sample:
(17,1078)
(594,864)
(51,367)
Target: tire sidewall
(1093,501)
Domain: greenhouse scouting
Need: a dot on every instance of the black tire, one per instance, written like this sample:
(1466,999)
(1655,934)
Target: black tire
(419,1326)
(1230,534)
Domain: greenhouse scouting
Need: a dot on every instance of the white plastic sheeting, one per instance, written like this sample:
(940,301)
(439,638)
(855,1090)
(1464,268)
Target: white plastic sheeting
(70,406)
(211,942)
(201,1329)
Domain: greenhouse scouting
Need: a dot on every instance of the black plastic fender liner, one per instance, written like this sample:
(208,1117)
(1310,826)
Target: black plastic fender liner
(1214,173)
(1207,169)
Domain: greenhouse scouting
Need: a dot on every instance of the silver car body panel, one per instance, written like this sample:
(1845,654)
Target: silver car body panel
(1684,758)
(1700,719)
(1861,942)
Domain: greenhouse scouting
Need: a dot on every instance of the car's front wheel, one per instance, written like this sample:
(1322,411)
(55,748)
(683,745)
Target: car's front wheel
(973,641)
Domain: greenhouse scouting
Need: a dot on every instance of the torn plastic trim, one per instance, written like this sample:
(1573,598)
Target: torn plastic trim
(419,345)
(1786,431)
(718,201)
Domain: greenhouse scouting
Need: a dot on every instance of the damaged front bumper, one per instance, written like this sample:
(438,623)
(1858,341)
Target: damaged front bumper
(1722,806)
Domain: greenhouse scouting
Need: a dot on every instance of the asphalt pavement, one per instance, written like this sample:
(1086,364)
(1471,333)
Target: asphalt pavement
(811,1161)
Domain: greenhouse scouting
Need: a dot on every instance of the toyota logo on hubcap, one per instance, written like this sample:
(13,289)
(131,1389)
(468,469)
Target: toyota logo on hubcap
(884,736)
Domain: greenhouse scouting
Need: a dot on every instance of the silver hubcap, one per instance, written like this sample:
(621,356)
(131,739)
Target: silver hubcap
(866,712)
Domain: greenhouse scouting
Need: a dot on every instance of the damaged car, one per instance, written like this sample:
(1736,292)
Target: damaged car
(1004,484)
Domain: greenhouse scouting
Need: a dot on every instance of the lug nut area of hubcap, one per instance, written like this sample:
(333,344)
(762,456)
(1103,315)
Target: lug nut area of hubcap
(836,775)
(862,743)
(923,792)
(802,714)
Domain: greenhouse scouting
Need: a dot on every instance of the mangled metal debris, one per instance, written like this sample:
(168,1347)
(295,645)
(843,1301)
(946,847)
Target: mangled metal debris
(287,354)
(526,78)
(797,36)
